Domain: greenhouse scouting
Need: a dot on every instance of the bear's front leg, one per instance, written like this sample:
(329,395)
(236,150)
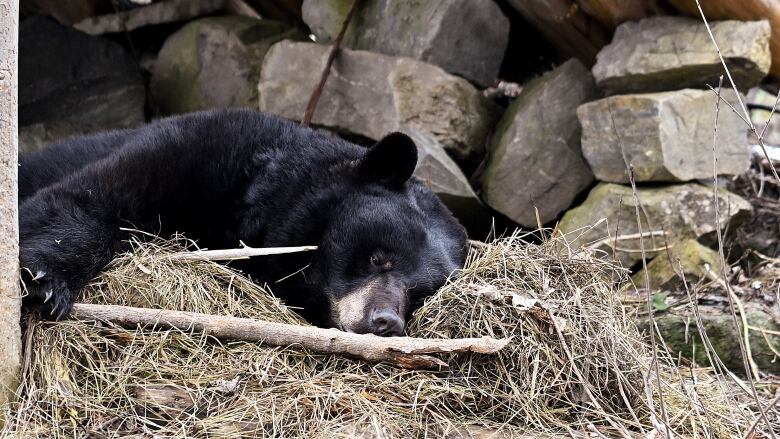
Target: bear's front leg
(65,241)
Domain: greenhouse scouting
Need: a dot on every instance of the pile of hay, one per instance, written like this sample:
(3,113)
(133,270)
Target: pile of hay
(576,363)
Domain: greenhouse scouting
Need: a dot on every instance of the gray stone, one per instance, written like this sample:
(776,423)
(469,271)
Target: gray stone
(680,333)
(372,94)
(535,157)
(668,53)
(214,62)
(168,11)
(443,176)
(666,136)
(71,83)
(670,215)
(464,37)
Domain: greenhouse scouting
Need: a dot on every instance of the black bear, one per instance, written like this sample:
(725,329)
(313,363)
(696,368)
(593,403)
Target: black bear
(384,240)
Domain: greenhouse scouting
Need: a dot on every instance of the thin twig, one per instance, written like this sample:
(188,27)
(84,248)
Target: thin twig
(651,315)
(754,424)
(739,97)
(315,96)
(238,253)
(729,293)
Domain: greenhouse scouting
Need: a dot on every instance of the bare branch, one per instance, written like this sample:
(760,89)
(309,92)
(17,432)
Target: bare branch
(742,105)
(311,106)
(406,352)
(730,294)
(637,206)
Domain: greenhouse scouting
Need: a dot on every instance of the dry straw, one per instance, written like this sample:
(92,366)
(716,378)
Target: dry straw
(576,366)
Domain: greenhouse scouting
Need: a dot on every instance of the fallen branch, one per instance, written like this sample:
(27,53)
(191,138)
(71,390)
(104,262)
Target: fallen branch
(238,253)
(406,352)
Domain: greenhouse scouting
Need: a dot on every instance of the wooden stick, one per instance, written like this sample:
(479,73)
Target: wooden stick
(238,253)
(406,352)
(311,106)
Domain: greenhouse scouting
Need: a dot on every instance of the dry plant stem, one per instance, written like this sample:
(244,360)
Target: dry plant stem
(771,114)
(585,385)
(712,356)
(406,352)
(238,253)
(651,315)
(742,105)
(743,319)
(729,293)
(311,106)
(754,424)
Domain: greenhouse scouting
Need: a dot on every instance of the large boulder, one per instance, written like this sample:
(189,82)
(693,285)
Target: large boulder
(370,94)
(666,136)
(670,215)
(71,83)
(214,62)
(668,53)
(535,157)
(464,37)
(443,176)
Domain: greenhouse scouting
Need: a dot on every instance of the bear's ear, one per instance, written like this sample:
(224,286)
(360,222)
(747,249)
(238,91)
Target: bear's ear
(390,161)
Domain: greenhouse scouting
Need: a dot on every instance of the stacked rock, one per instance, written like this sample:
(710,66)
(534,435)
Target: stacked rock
(660,119)
(420,67)
(412,67)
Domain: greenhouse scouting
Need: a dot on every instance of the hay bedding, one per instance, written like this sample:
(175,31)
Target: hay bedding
(576,364)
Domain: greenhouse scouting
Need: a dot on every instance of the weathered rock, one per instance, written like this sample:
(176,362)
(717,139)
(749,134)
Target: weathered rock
(440,173)
(214,62)
(668,53)
(168,11)
(689,258)
(372,94)
(464,37)
(666,136)
(680,333)
(670,215)
(535,158)
(71,83)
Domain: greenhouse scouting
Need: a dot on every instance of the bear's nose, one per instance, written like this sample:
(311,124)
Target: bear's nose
(386,323)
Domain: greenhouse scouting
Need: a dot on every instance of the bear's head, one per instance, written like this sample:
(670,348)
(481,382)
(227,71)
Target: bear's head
(388,244)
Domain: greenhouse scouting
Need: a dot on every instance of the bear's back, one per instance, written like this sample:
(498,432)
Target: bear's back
(284,142)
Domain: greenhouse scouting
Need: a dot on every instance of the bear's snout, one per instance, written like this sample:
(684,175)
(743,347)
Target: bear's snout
(387,323)
(376,307)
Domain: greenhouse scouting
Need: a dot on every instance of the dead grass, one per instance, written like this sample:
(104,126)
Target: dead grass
(577,363)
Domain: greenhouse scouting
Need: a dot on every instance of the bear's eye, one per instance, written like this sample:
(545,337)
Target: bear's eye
(380,263)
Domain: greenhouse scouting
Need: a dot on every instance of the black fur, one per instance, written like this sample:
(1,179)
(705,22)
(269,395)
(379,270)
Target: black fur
(226,176)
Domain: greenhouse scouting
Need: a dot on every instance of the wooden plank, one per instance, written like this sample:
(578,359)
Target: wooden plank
(10,297)
(566,26)
(610,13)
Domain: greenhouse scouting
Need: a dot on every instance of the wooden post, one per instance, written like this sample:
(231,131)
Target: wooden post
(10,297)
